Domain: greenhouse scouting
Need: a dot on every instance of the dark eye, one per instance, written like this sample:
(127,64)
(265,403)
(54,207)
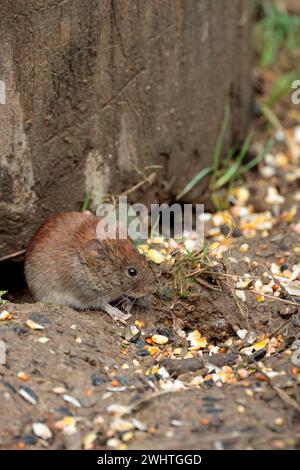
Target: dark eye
(132,271)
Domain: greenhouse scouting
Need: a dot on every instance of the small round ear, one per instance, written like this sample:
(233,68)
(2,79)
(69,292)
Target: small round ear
(96,247)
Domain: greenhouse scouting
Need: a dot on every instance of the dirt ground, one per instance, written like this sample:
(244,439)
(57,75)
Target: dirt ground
(84,356)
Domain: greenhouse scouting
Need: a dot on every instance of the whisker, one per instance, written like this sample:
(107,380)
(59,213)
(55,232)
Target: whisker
(130,302)
(122,300)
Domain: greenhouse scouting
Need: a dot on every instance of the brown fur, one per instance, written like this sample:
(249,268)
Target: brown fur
(66,264)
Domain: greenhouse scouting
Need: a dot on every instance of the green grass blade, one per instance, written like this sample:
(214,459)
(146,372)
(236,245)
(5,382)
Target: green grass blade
(3,301)
(232,170)
(219,143)
(271,46)
(86,202)
(282,86)
(258,158)
(229,155)
(195,180)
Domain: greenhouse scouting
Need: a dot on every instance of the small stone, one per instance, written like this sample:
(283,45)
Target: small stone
(132,334)
(10,387)
(20,330)
(40,318)
(88,401)
(143,352)
(163,373)
(242,333)
(284,267)
(72,438)
(31,439)
(97,379)
(166,294)
(251,338)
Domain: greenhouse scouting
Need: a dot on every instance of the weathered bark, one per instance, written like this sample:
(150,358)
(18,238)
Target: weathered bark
(96,89)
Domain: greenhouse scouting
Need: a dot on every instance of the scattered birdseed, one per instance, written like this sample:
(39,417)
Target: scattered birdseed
(119,410)
(159,339)
(42,431)
(33,325)
(88,440)
(43,340)
(155,256)
(197,342)
(244,248)
(5,315)
(59,390)
(28,395)
(2,352)
(23,376)
(72,401)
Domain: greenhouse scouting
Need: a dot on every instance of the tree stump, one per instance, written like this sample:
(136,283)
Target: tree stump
(98,93)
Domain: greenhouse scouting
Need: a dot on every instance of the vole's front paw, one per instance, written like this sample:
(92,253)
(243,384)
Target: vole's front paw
(116,314)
